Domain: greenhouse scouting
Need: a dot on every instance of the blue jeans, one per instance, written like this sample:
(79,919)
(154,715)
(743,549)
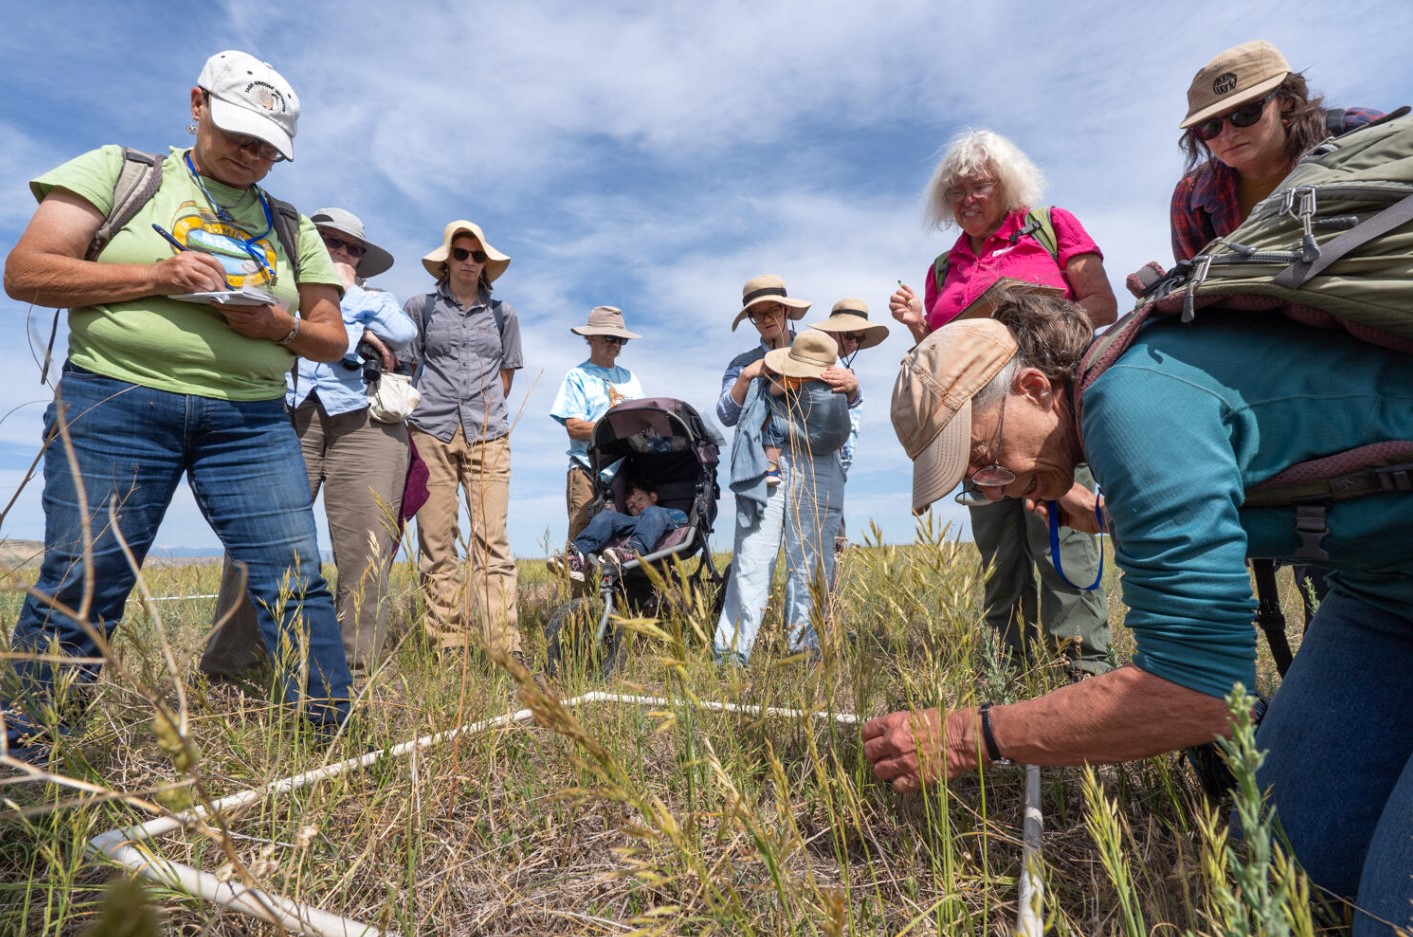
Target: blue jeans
(644,531)
(1339,734)
(805,508)
(132,445)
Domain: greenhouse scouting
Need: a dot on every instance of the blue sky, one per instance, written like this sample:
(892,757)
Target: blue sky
(654,156)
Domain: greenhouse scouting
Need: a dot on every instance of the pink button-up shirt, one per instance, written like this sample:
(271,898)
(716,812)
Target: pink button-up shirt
(968,275)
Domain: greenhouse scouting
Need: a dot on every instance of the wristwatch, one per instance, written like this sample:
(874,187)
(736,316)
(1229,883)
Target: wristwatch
(988,739)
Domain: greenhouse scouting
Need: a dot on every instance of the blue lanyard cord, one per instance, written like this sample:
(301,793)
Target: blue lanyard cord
(224,214)
(1054,513)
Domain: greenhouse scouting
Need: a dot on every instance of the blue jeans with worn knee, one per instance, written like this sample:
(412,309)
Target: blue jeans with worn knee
(804,510)
(1339,736)
(131,447)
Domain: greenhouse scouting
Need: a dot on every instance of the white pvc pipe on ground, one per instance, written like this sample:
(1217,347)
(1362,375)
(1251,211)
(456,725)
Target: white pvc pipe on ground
(122,845)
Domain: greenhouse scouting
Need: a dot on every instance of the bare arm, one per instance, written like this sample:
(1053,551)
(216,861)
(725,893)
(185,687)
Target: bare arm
(579,429)
(507,377)
(322,336)
(1119,716)
(1085,273)
(47,266)
(743,381)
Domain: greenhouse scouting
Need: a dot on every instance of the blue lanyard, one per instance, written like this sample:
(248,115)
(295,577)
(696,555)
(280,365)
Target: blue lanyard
(224,214)
(1054,513)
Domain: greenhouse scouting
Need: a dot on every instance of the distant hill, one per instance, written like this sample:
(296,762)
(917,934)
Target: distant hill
(24,556)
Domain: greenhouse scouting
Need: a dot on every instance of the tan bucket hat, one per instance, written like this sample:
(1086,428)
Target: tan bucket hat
(1240,74)
(604,320)
(808,355)
(851,315)
(375,259)
(496,262)
(932,400)
(768,288)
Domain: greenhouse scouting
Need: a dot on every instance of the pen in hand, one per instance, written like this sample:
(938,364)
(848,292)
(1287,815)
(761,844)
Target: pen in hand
(170,239)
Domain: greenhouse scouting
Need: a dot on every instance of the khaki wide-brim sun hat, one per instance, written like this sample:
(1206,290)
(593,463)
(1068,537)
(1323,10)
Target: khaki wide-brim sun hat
(932,400)
(375,259)
(604,320)
(808,355)
(851,315)
(768,288)
(496,262)
(1240,74)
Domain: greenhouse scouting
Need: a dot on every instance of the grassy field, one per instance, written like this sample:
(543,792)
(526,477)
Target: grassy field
(617,819)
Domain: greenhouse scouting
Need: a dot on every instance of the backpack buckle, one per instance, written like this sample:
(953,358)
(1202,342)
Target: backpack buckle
(1311,529)
(1305,214)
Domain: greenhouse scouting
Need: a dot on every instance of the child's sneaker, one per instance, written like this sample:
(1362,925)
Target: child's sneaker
(616,556)
(571,564)
(772,475)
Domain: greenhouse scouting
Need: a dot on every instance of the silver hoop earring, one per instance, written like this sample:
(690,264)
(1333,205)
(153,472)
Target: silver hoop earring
(191,129)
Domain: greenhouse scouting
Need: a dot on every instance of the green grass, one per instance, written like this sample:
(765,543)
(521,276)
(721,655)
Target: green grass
(612,819)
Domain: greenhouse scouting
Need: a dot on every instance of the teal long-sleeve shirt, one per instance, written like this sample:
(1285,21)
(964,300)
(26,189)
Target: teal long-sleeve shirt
(1191,416)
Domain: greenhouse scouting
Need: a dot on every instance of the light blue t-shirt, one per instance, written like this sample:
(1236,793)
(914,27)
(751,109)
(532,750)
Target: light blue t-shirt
(586,394)
(1191,416)
(340,383)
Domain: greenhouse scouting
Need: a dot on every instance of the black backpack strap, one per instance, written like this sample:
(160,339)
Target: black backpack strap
(1269,617)
(285,218)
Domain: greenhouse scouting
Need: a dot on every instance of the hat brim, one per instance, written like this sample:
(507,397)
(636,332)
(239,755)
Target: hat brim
(1259,90)
(233,118)
(781,362)
(875,333)
(375,259)
(496,262)
(795,309)
(587,330)
(942,463)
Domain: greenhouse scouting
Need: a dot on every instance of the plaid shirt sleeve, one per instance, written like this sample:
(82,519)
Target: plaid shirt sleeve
(1205,206)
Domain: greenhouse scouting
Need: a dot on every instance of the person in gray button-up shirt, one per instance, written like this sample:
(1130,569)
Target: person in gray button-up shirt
(467,351)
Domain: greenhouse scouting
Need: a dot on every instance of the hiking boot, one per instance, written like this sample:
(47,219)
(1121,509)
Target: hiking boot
(571,564)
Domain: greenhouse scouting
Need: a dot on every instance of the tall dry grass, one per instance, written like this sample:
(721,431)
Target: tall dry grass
(614,818)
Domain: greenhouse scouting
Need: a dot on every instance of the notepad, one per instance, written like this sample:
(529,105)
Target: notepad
(245,296)
(984,306)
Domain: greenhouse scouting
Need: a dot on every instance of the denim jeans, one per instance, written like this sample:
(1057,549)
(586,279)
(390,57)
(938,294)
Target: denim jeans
(131,446)
(1339,733)
(805,508)
(644,531)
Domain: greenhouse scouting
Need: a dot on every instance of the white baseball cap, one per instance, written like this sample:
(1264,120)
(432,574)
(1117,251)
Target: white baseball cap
(248,96)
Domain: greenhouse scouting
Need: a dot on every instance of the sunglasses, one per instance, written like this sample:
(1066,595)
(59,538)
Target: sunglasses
(461,253)
(1243,116)
(995,475)
(614,340)
(350,248)
(253,145)
(851,337)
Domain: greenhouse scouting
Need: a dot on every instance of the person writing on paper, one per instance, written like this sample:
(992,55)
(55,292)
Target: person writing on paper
(358,460)
(1178,429)
(988,188)
(156,389)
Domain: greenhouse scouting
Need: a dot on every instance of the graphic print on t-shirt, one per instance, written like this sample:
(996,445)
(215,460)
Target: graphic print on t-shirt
(200,230)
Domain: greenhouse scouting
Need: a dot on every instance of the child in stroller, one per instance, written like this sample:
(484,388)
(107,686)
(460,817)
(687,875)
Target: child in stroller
(643,526)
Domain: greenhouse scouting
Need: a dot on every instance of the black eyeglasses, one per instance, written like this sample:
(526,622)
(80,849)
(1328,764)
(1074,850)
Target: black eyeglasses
(614,340)
(351,248)
(995,475)
(461,253)
(851,337)
(1243,116)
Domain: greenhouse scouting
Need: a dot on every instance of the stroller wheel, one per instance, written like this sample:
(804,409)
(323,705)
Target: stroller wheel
(570,641)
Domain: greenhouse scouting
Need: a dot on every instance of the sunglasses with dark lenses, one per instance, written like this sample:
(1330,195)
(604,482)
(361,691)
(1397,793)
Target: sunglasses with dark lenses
(1243,116)
(461,253)
(614,339)
(851,337)
(350,248)
(253,145)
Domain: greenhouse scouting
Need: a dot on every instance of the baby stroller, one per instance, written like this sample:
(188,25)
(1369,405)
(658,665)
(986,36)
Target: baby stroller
(665,444)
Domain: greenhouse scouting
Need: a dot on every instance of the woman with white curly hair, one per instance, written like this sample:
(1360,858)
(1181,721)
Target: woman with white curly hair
(988,188)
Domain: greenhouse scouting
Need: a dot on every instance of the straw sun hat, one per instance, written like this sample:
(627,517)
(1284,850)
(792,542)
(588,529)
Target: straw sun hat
(496,262)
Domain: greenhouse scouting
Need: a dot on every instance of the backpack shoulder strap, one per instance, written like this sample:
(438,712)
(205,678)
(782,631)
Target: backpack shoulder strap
(1102,352)
(286,223)
(138,180)
(939,269)
(499,315)
(1039,225)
